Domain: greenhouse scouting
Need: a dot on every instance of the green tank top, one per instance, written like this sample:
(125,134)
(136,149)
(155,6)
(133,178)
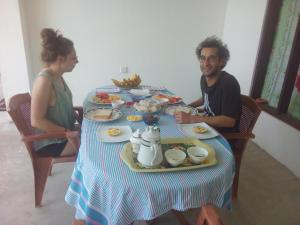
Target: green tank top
(61,113)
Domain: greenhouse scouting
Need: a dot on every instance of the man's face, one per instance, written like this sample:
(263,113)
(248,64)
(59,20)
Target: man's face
(210,63)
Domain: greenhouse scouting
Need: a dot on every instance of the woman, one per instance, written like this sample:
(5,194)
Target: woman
(51,99)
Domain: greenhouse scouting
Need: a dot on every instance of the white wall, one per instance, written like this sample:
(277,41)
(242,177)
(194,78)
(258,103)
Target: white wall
(13,67)
(156,39)
(242,32)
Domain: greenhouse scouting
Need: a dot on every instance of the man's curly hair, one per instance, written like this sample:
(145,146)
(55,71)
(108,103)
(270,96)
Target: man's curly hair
(214,42)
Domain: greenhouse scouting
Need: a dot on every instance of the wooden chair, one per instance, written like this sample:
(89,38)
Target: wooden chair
(208,216)
(19,110)
(239,140)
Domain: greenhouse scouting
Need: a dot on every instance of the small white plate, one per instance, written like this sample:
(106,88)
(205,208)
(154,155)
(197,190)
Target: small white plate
(90,115)
(125,134)
(188,130)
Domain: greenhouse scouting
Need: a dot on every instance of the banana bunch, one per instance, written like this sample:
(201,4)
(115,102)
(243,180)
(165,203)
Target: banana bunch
(133,81)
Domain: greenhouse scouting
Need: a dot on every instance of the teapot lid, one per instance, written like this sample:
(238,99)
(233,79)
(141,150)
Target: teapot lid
(151,133)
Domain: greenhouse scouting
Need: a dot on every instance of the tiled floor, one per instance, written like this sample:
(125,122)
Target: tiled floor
(269,193)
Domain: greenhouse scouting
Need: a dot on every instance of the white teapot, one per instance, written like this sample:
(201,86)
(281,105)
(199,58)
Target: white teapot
(150,153)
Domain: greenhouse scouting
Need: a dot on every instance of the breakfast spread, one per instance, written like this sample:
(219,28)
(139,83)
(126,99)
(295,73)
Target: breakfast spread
(199,129)
(105,98)
(113,131)
(103,114)
(133,81)
(134,118)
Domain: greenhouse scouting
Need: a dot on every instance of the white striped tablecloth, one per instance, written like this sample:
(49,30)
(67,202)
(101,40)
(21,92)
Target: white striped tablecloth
(105,191)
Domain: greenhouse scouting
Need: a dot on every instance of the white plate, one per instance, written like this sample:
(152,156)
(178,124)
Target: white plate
(125,134)
(108,89)
(188,130)
(91,99)
(116,114)
(157,98)
(152,88)
(140,92)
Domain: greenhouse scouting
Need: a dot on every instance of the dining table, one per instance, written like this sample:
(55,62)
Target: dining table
(104,190)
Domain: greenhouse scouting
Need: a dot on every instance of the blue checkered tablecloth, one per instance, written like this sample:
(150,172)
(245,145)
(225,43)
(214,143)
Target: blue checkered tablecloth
(105,191)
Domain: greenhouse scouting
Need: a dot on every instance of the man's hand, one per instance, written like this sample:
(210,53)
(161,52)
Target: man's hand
(182,117)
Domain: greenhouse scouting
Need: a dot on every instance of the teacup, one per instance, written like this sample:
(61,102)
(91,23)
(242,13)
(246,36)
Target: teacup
(197,154)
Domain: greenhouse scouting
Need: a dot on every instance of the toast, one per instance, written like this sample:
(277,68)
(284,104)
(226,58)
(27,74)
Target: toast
(104,114)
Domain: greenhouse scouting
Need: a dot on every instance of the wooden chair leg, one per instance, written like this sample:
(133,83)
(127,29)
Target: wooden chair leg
(180,217)
(50,169)
(238,154)
(41,168)
(235,185)
(208,215)
(78,222)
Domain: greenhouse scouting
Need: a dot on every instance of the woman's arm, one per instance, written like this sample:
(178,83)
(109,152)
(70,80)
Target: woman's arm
(41,98)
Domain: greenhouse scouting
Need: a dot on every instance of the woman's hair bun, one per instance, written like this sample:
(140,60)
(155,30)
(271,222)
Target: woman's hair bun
(54,44)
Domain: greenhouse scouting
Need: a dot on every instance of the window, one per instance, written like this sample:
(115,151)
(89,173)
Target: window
(277,72)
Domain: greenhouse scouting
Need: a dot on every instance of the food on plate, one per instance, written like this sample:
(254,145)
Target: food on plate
(103,114)
(105,98)
(173,109)
(134,118)
(171,98)
(199,129)
(113,131)
(133,81)
(146,106)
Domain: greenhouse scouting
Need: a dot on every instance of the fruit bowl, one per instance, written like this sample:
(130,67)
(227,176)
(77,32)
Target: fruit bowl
(132,82)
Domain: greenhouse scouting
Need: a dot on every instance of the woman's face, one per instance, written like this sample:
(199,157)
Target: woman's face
(69,62)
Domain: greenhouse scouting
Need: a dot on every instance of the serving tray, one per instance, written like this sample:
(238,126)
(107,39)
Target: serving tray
(130,158)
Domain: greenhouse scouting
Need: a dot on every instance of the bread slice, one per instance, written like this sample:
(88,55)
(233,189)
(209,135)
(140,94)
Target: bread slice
(104,114)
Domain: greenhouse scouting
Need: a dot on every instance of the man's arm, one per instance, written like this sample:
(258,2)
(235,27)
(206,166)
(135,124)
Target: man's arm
(196,103)
(215,121)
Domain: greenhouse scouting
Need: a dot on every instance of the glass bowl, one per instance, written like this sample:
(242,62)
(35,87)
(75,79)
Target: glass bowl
(150,118)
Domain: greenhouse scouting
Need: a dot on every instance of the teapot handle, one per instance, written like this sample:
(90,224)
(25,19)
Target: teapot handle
(155,149)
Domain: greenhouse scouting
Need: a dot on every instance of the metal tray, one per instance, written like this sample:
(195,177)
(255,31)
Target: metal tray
(130,160)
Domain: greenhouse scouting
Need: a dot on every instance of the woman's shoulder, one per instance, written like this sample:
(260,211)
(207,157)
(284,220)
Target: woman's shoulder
(43,79)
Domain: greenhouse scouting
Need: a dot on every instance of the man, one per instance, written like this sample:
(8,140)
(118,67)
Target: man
(220,90)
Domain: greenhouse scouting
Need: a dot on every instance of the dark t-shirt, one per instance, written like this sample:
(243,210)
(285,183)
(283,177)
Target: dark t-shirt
(223,98)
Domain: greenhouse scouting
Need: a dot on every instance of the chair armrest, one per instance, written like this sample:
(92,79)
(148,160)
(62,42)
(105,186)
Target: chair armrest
(238,135)
(78,111)
(49,135)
